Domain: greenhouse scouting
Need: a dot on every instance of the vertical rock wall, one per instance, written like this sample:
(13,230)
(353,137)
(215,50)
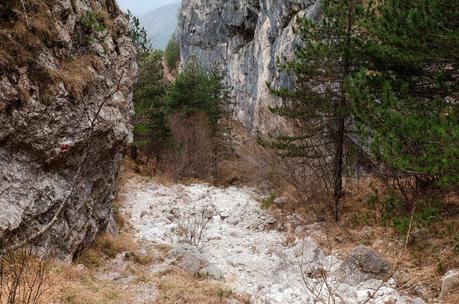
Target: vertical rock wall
(66,74)
(245,37)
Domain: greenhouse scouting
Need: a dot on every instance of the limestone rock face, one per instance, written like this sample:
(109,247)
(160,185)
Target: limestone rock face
(65,117)
(245,37)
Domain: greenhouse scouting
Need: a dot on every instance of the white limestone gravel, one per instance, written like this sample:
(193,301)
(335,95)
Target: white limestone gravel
(240,242)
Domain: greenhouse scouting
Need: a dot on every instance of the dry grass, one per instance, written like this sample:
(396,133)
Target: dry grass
(453,298)
(251,164)
(106,247)
(5,59)
(76,285)
(432,246)
(80,283)
(25,33)
(24,276)
(179,287)
(77,74)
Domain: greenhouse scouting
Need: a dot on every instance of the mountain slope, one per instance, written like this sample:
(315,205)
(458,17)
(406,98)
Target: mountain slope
(161,23)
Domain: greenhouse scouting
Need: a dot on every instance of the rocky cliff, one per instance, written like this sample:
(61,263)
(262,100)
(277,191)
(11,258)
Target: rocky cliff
(66,76)
(245,37)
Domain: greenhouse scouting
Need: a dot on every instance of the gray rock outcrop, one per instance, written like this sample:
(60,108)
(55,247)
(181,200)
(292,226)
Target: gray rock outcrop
(363,264)
(65,111)
(189,258)
(245,37)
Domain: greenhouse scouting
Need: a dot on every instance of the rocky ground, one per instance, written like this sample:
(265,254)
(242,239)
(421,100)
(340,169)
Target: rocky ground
(223,234)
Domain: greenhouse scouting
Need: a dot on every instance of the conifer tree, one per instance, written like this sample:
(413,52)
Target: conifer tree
(406,100)
(318,102)
(138,34)
(152,133)
(196,90)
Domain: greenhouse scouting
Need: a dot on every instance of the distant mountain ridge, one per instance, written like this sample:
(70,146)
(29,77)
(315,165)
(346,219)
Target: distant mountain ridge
(161,24)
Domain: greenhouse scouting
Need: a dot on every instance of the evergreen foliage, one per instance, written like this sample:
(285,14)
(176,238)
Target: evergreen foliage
(319,102)
(389,68)
(138,34)
(168,116)
(406,98)
(198,91)
(152,133)
(172,53)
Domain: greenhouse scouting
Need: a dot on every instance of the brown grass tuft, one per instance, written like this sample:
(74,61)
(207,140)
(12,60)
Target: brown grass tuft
(176,286)
(5,59)
(77,75)
(74,285)
(106,247)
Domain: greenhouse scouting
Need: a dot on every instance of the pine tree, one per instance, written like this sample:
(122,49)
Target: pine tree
(196,90)
(406,100)
(152,133)
(138,34)
(319,102)
(172,53)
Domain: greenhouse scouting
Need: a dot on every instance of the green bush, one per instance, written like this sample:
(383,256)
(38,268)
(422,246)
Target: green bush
(267,202)
(172,53)
(91,23)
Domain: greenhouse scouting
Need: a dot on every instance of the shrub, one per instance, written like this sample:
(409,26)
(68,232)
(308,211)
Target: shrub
(172,53)
(105,247)
(268,201)
(91,23)
(23,276)
(191,155)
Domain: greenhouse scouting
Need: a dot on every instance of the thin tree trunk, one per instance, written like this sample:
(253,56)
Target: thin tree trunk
(215,153)
(341,120)
(338,166)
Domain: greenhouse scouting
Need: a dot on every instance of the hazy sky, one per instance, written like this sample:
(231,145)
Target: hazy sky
(140,7)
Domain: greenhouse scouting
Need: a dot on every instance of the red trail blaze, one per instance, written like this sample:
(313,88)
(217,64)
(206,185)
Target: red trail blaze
(64,147)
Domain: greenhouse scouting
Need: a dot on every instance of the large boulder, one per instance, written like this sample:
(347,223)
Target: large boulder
(363,264)
(65,118)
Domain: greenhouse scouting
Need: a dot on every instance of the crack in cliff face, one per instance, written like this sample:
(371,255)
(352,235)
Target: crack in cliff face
(245,37)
